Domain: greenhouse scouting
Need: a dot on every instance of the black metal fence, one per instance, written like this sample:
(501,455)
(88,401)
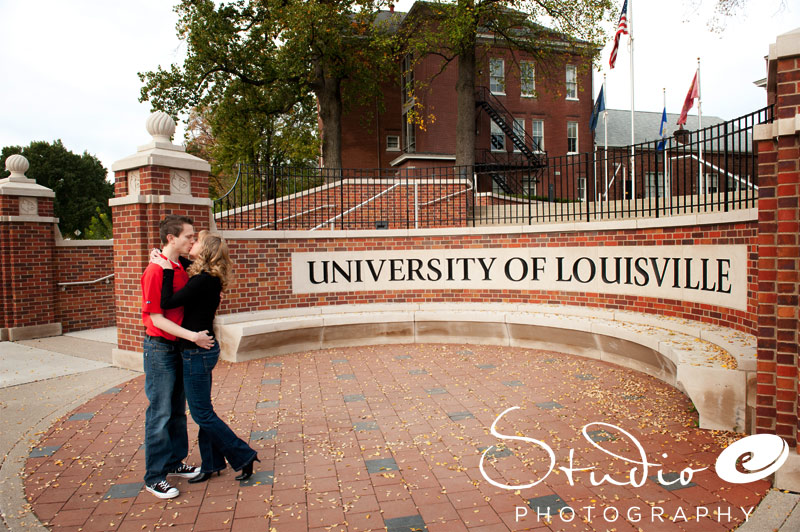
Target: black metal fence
(708,170)
(326,199)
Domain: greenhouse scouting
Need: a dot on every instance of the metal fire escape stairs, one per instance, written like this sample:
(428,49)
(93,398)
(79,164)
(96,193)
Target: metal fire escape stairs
(494,166)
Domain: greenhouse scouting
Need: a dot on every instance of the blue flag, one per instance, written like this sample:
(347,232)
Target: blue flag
(661,131)
(599,107)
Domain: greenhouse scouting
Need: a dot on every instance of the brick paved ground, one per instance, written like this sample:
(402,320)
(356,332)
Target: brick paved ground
(390,436)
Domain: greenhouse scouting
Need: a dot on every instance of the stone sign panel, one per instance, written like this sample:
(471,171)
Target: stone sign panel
(716,275)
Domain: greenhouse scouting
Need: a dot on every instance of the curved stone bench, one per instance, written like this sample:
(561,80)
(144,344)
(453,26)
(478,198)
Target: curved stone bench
(714,366)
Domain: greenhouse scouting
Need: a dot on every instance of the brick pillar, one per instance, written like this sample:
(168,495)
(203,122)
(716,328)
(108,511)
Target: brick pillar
(159,179)
(27,255)
(778,147)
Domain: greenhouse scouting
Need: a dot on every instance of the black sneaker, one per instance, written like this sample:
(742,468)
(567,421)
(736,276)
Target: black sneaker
(185,471)
(163,490)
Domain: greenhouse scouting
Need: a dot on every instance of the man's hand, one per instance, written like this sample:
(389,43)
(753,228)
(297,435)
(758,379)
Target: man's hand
(202,339)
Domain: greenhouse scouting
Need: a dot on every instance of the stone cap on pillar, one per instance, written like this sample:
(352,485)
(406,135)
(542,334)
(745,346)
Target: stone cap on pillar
(17,184)
(786,45)
(161,151)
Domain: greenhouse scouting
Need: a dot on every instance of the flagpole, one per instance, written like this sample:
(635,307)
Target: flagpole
(633,159)
(605,138)
(699,127)
(667,178)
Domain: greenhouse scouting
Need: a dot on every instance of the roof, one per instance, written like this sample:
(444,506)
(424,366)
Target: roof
(647,124)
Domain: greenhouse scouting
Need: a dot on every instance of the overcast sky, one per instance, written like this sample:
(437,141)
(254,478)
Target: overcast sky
(69,67)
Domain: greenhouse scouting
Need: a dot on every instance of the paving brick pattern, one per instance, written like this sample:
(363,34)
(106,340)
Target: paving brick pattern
(418,469)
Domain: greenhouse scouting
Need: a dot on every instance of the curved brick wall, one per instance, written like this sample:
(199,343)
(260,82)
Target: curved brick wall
(263,279)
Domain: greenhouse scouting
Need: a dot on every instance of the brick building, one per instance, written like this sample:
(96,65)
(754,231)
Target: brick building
(536,107)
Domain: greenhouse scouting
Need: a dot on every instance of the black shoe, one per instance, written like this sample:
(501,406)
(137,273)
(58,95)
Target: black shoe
(247,470)
(185,471)
(163,490)
(202,477)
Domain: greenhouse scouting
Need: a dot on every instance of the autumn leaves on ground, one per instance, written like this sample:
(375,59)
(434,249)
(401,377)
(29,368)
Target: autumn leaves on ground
(391,437)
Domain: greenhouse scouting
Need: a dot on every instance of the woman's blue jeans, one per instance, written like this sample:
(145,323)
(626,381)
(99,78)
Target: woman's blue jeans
(217,442)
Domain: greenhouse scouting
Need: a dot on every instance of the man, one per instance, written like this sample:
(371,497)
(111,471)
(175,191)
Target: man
(166,442)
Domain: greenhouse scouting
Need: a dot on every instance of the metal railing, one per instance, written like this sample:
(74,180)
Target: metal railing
(714,169)
(325,199)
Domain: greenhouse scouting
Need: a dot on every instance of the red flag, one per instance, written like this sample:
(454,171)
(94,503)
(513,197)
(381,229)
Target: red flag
(688,103)
(622,28)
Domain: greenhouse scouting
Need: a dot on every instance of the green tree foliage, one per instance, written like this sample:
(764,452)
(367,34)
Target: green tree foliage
(544,29)
(287,49)
(228,133)
(99,226)
(79,182)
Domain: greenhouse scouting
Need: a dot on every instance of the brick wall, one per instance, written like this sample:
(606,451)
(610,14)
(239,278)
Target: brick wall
(262,274)
(779,252)
(84,306)
(27,273)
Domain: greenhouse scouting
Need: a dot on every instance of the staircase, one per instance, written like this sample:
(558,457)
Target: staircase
(535,159)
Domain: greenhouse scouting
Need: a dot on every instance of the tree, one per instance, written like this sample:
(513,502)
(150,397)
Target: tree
(235,130)
(285,48)
(99,226)
(451,29)
(79,182)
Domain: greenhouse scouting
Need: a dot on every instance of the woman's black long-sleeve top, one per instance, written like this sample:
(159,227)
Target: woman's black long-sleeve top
(200,299)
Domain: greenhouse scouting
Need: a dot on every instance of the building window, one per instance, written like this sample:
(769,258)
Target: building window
(572,137)
(710,183)
(410,137)
(527,79)
(572,82)
(519,131)
(537,132)
(497,76)
(655,183)
(582,188)
(407,79)
(392,142)
(498,139)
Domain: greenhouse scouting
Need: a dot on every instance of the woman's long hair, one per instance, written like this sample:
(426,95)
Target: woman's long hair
(213,258)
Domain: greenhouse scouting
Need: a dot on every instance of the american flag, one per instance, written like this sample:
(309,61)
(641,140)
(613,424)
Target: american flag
(622,27)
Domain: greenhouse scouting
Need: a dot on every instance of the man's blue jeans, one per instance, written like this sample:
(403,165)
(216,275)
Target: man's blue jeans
(216,440)
(166,444)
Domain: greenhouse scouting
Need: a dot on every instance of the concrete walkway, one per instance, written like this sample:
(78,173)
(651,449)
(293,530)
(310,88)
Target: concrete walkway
(41,381)
(318,419)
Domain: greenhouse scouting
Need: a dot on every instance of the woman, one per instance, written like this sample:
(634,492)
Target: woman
(200,298)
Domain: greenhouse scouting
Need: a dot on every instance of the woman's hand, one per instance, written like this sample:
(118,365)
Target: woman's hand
(154,254)
(202,339)
(167,265)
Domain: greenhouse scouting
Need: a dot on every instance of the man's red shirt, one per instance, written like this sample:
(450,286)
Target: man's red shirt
(151,297)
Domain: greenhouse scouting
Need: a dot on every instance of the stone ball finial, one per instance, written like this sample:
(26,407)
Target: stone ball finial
(17,165)
(161,126)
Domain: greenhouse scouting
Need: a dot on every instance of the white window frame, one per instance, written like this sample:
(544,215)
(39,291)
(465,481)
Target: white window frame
(410,136)
(572,125)
(407,79)
(710,184)
(654,180)
(527,79)
(496,132)
(582,188)
(519,130)
(534,123)
(497,83)
(392,146)
(572,84)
